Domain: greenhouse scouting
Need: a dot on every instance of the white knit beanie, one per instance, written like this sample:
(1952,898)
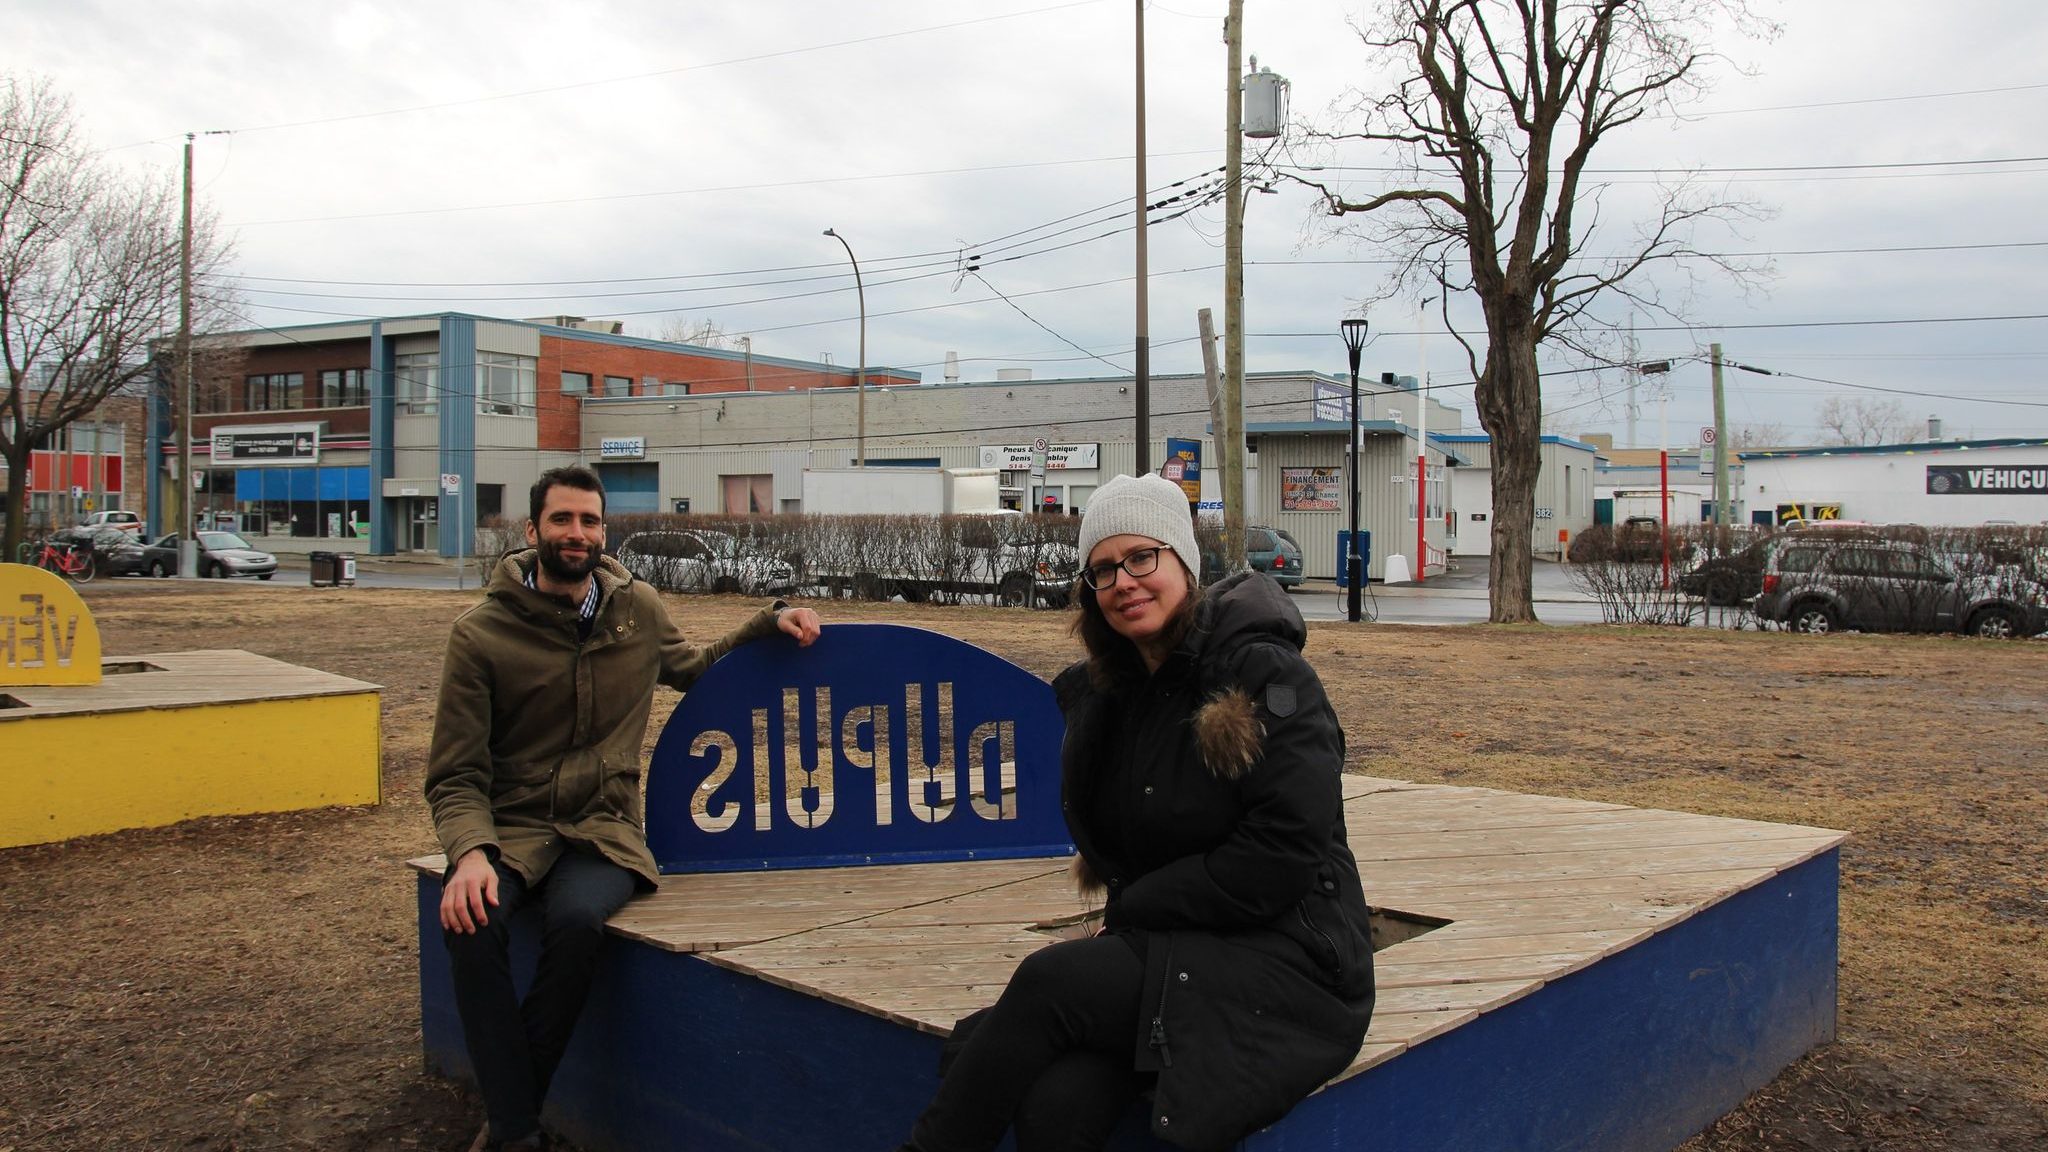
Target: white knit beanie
(1148,505)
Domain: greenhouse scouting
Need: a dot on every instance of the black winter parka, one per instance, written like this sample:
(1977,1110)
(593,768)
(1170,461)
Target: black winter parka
(1206,803)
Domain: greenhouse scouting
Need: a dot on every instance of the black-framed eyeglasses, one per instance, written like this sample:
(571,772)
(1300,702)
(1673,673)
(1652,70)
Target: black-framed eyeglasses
(1143,562)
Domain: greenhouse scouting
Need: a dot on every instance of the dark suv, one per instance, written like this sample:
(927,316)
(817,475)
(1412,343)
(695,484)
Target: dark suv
(1268,550)
(1889,586)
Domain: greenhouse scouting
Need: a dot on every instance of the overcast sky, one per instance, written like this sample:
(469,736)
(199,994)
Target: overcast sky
(646,160)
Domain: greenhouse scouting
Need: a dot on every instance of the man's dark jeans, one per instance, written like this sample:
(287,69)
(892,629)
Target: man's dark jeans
(515,1046)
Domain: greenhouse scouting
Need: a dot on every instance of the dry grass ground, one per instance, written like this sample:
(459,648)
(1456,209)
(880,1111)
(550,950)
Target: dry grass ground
(249,983)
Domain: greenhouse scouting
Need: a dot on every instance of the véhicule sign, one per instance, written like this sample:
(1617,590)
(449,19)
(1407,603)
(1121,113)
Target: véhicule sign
(2006,480)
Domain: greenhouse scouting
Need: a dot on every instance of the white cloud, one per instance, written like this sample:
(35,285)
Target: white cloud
(686,140)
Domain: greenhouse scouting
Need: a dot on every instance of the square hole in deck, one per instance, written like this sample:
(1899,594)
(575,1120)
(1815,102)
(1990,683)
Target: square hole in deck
(1390,926)
(126,667)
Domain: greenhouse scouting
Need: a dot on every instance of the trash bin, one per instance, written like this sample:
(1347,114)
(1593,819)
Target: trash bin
(345,569)
(1343,552)
(320,568)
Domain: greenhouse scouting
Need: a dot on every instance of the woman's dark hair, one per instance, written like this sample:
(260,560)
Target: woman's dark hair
(568,476)
(1113,661)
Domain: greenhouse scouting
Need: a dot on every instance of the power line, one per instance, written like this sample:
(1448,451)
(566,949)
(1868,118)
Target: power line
(1708,168)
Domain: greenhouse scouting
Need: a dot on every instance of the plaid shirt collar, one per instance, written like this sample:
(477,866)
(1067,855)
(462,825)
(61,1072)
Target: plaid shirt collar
(587,611)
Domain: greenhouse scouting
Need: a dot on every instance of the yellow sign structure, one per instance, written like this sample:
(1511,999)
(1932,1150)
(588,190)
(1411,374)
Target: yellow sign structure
(47,636)
(177,735)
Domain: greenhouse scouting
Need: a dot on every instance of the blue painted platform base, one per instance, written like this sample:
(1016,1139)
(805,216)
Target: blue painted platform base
(1657,1027)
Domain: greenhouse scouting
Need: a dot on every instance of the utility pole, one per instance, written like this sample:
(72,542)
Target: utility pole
(1143,387)
(1233,559)
(1720,444)
(188,543)
(1229,427)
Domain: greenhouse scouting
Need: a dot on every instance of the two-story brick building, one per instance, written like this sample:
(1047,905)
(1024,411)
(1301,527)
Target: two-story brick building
(369,435)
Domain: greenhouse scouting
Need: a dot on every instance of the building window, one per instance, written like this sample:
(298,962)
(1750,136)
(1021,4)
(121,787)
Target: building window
(575,383)
(505,383)
(327,502)
(675,388)
(618,386)
(344,388)
(418,376)
(277,392)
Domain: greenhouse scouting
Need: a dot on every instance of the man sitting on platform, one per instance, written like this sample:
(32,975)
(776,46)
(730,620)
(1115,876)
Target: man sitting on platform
(534,780)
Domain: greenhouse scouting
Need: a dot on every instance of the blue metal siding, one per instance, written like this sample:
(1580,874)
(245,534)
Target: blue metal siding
(383,456)
(458,430)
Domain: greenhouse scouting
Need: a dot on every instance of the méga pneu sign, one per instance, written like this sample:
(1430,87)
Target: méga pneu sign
(2023,480)
(878,744)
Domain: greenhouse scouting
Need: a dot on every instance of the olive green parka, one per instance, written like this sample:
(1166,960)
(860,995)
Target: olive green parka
(537,734)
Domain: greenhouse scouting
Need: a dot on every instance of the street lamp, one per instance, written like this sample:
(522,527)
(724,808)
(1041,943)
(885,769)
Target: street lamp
(860,387)
(1354,344)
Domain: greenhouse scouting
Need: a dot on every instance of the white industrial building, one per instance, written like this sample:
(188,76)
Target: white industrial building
(1948,483)
(746,451)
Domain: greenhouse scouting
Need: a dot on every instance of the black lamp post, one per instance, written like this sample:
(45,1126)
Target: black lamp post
(1354,344)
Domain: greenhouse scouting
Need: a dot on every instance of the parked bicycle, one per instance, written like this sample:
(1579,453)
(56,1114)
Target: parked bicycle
(74,561)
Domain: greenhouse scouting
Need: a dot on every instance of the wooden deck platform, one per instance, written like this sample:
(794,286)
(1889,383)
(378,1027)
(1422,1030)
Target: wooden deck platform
(1568,974)
(176,735)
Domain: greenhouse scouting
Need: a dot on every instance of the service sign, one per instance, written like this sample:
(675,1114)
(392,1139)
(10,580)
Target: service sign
(878,744)
(622,447)
(2007,480)
(297,444)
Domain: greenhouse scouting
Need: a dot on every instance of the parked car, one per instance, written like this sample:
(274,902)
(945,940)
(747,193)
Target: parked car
(1735,577)
(1728,578)
(1816,584)
(1636,540)
(1268,550)
(129,522)
(700,560)
(220,554)
(1276,554)
(114,552)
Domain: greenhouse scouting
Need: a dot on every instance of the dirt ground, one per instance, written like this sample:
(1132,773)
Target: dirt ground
(249,983)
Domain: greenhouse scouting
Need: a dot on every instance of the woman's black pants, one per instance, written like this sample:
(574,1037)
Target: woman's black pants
(1053,1057)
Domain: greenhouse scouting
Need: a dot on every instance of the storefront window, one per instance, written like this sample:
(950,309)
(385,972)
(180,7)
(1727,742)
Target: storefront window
(324,502)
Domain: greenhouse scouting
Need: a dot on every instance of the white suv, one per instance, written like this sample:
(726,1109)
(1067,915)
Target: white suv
(129,522)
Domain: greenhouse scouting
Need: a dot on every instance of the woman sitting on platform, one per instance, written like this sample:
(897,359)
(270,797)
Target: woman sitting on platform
(1232,975)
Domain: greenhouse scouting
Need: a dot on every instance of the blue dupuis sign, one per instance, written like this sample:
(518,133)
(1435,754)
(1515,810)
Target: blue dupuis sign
(878,744)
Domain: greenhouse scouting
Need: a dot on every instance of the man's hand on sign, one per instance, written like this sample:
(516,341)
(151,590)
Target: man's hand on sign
(801,623)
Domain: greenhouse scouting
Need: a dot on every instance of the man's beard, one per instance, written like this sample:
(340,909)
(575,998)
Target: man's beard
(562,568)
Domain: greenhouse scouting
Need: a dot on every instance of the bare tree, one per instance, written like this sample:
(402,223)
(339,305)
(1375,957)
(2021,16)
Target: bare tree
(88,276)
(1757,434)
(1496,120)
(704,333)
(1858,420)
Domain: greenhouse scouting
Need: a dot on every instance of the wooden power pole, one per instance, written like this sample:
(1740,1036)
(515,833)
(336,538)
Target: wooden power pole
(1230,422)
